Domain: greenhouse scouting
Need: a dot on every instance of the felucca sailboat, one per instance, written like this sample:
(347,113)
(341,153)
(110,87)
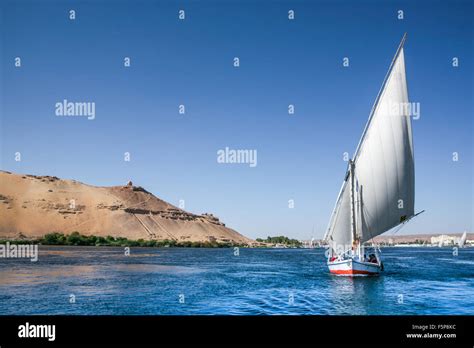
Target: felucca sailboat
(378,192)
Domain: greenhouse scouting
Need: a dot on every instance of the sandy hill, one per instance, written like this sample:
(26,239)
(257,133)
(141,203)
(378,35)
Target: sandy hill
(31,206)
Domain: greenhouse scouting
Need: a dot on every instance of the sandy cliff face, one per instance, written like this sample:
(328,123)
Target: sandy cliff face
(32,206)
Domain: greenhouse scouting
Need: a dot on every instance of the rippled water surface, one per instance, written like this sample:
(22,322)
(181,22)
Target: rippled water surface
(215,281)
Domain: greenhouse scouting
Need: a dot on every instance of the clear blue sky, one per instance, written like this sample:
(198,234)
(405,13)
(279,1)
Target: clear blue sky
(282,62)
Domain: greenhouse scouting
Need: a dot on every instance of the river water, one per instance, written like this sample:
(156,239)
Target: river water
(187,281)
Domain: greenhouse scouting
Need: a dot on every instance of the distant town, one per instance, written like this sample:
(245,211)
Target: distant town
(415,240)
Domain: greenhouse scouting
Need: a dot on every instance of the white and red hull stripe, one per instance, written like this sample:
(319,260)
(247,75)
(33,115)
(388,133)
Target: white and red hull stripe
(353,267)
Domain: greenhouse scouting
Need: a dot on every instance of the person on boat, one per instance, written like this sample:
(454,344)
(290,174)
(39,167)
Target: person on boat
(372,258)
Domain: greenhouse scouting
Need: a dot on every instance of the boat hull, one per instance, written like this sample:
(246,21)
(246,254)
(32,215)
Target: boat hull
(352,267)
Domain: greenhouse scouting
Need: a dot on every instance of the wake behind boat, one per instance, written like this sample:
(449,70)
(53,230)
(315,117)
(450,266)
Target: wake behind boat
(378,192)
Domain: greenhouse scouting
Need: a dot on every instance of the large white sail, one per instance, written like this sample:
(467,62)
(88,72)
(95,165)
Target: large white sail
(383,167)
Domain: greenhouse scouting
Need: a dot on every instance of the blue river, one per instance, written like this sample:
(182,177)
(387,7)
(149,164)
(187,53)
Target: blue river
(190,281)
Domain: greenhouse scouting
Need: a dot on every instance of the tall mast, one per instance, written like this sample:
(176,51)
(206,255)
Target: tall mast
(353,213)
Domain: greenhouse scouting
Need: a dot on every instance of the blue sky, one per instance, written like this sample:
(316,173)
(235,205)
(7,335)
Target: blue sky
(283,62)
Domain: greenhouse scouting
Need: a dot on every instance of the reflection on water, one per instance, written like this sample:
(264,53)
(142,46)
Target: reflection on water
(215,281)
(13,276)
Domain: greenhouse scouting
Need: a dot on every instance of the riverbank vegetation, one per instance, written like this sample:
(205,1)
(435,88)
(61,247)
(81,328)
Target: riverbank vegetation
(281,240)
(78,239)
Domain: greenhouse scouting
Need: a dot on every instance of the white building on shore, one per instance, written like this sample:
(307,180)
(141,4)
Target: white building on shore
(445,240)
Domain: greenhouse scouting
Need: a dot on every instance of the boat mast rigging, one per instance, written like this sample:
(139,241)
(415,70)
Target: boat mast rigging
(353,213)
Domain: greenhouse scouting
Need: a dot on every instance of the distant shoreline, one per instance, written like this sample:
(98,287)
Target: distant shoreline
(281,242)
(77,239)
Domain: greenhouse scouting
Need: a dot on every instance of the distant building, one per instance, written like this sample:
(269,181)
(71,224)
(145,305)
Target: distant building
(444,240)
